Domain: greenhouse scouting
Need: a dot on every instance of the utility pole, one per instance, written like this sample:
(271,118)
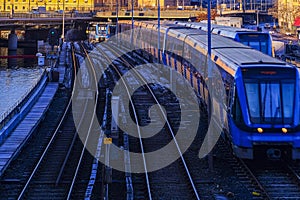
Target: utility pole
(209,66)
(158,26)
(257,18)
(63,23)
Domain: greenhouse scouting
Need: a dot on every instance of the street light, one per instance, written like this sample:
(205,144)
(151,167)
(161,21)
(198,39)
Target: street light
(209,66)
(158,28)
(63,23)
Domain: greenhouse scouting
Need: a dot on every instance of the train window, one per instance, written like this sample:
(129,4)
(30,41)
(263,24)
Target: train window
(253,101)
(270,101)
(257,41)
(236,111)
(288,97)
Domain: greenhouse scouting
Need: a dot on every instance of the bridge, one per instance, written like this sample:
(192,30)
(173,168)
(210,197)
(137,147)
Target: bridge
(52,19)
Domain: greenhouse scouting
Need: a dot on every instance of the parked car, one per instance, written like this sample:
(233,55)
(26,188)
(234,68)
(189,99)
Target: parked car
(267,25)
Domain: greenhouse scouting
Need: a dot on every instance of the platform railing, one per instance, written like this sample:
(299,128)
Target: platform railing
(13,109)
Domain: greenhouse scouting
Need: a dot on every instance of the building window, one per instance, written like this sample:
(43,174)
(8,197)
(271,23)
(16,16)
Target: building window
(23,7)
(8,7)
(16,7)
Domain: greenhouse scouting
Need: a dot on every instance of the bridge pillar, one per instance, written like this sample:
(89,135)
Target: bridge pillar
(12,62)
(12,41)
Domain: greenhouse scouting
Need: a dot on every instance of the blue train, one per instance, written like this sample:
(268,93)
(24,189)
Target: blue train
(100,31)
(260,106)
(255,39)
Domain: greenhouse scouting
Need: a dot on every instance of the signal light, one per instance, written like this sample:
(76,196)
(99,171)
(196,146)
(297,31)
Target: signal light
(284,130)
(53,37)
(260,130)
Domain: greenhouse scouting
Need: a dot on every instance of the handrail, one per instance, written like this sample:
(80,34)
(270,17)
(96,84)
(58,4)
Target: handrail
(19,102)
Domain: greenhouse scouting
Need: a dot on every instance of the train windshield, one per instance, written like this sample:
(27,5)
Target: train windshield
(256,41)
(270,98)
(270,101)
(102,29)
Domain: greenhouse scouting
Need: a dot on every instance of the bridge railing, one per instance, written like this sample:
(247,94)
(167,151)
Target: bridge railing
(151,13)
(45,15)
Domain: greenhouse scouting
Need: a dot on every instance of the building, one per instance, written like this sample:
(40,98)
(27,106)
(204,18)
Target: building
(51,5)
(288,11)
(229,21)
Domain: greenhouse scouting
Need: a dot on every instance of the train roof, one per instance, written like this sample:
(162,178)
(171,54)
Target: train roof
(231,53)
(226,31)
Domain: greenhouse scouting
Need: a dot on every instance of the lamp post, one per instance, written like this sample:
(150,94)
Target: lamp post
(117,22)
(209,66)
(63,23)
(12,9)
(158,29)
(132,7)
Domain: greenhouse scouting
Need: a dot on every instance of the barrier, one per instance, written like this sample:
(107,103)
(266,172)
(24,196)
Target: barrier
(20,108)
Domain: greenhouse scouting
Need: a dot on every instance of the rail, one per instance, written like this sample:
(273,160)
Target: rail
(165,119)
(90,125)
(170,129)
(136,121)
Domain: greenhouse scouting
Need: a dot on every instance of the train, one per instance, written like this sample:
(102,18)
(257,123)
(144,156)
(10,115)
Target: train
(255,39)
(259,107)
(100,31)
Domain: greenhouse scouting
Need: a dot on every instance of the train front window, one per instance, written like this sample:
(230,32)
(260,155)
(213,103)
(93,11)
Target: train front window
(270,101)
(256,41)
(102,29)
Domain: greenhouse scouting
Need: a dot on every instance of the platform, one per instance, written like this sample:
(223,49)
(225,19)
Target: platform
(13,144)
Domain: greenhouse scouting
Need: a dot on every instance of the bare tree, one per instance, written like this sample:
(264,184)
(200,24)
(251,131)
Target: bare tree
(203,15)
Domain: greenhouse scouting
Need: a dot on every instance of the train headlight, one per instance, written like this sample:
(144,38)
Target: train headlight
(260,130)
(284,130)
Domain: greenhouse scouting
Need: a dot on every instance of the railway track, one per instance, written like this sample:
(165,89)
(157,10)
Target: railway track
(277,178)
(151,184)
(19,170)
(265,178)
(56,172)
(87,91)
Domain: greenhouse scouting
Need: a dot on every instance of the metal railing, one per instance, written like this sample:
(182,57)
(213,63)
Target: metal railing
(45,15)
(5,117)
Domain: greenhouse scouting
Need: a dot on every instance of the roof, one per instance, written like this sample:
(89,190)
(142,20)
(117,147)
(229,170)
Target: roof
(297,21)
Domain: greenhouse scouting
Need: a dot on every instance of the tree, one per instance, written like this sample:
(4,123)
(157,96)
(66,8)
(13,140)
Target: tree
(203,15)
(274,10)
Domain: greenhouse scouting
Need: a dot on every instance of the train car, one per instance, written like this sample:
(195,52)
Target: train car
(99,32)
(260,107)
(255,39)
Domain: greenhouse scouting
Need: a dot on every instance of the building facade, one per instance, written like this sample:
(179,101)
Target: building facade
(288,10)
(51,5)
